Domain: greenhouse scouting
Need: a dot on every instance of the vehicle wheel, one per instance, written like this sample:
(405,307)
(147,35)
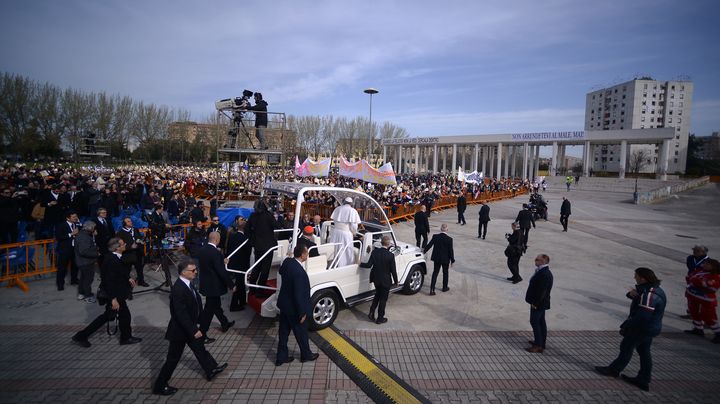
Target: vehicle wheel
(325,306)
(414,281)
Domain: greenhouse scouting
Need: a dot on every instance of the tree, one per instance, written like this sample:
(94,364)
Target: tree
(639,159)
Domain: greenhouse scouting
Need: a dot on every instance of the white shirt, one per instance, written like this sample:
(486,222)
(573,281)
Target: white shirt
(117,254)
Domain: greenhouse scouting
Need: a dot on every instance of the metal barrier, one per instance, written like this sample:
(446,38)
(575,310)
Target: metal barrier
(26,259)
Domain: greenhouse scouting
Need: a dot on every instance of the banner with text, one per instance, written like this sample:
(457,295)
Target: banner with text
(362,170)
(311,168)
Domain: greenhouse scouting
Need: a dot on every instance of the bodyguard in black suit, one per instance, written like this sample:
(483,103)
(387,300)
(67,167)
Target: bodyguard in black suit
(538,296)
(422,226)
(442,256)
(65,233)
(133,255)
(105,231)
(384,275)
(214,282)
(294,304)
(564,213)
(525,219)
(185,308)
(484,218)
(461,206)
(261,231)
(239,261)
(115,280)
(215,225)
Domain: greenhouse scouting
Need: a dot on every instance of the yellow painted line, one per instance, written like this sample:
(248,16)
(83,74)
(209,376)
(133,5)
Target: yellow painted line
(378,377)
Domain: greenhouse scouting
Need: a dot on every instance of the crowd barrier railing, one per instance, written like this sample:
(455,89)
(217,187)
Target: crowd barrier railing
(26,259)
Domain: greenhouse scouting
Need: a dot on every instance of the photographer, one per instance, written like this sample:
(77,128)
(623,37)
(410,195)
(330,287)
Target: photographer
(261,119)
(116,286)
(133,253)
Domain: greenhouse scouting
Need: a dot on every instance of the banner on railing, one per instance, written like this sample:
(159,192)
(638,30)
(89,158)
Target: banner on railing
(362,170)
(472,178)
(311,168)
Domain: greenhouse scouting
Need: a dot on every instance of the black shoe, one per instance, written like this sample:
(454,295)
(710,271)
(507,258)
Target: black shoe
(165,391)
(75,282)
(636,382)
(216,371)
(208,340)
(510,278)
(61,288)
(311,358)
(130,341)
(288,360)
(445,289)
(483,237)
(237,308)
(227,326)
(695,331)
(371,316)
(479,236)
(517,280)
(432,293)
(382,320)
(606,371)
(143,284)
(80,341)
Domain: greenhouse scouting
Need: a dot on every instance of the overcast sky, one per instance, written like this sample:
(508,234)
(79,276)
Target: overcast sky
(442,68)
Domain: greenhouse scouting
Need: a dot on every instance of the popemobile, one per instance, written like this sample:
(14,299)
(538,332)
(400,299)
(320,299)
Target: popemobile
(334,286)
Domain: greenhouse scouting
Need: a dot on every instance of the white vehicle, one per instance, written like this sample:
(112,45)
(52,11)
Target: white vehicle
(332,286)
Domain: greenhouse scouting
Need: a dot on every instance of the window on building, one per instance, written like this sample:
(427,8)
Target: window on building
(669,120)
(642,119)
(679,120)
(652,111)
(654,95)
(644,103)
(621,127)
(652,119)
(596,159)
(682,96)
(611,159)
(642,126)
(677,153)
(672,87)
(676,161)
(623,96)
(677,137)
(613,121)
(681,104)
(653,103)
(644,95)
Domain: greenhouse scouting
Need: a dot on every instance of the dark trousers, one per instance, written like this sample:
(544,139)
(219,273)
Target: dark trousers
(640,343)
(564,221)
(207,362)
(213,307)
(237,300)
(525,233)
(8,233)
(379,301)
(537,321)
(288,323)
(87,274)
(123,316)
(259,275)
(461,217)
(513,263)
(482,229)
(418,236)
(139,264)
(65,259)
(436,271)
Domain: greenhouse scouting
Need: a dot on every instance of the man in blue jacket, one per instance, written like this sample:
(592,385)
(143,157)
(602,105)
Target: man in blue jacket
(294,304)
(642,325)
(538,296)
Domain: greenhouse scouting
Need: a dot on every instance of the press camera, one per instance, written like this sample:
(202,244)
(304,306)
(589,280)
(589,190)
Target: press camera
(235,104)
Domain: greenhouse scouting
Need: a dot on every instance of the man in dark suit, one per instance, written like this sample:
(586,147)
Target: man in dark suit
(484,218)
(216,226)
(105,232)
(261,232)
(198,213)
(422,227)
(185,308)
(461,206)
(115,280)
(564,213)
(513,252)
(525,219)
(239,261)
(214,282)
(65,233)
(538,296)
(307,240)
(294,304)
(442,256)
(195,238)
(133,255)
(384,275)
(55,202)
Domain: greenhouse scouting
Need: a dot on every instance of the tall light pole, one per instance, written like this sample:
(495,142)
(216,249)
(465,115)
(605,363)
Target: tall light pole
(370,91)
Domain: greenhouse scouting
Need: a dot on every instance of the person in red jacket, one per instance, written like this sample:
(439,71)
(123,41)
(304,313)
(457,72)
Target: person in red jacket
(703,284)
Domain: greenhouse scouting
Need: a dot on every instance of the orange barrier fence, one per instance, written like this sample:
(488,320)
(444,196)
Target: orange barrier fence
(26,259)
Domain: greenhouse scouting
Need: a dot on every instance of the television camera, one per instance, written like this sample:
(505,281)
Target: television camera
(237,106)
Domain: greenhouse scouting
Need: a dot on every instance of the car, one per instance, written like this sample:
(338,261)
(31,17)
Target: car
(334,286)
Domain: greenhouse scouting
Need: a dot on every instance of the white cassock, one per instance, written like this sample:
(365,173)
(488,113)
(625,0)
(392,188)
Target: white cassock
(346,220)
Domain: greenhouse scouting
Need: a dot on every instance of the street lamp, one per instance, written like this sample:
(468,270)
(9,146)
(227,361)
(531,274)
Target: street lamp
(370,91)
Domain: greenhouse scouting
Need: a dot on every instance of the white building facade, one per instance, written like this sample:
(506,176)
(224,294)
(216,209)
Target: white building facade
(640,104)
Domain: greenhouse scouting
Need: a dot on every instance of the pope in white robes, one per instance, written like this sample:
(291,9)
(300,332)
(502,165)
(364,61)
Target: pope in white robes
(345,219)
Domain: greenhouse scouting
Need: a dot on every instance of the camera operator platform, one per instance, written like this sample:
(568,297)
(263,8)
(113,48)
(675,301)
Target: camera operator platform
(91,148)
